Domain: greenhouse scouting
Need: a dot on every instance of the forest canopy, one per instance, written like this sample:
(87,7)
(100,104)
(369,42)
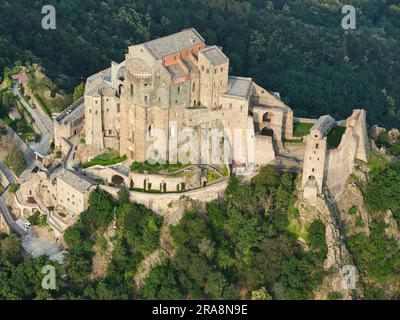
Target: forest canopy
(295,47)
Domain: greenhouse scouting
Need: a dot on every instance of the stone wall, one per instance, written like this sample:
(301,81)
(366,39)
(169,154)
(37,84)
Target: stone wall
(331,168)
(354,146)
(139,180)
(167,205)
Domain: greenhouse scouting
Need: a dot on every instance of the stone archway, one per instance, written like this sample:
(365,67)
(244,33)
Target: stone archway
(267,117)
(117,180)
(267,132)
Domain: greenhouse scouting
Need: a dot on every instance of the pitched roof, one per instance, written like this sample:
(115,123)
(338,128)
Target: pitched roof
(78,182)
(239,87)
(174,43)
(214,55)
(98,81)
(324,124)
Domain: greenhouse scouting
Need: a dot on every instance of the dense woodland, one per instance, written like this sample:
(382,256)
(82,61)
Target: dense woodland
(296,47)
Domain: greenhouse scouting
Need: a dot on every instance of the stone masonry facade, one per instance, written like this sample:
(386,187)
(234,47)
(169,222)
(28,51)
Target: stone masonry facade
(178,82)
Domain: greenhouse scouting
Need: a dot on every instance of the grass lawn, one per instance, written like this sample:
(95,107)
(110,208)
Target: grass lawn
(108,158)
(301,129)
(335,136)
(212,176)
(156,168)
(42,105)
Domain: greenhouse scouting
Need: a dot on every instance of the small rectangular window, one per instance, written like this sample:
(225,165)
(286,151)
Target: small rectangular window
(118,108)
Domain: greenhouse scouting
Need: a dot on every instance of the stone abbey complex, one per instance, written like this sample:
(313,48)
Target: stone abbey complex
(178,84)
(173,101)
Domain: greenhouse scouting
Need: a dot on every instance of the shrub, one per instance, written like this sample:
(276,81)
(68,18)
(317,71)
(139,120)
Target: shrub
(353,210)
(360,223)
(104,162)
(37,219)
(15,160)
(395,149)
(14,188)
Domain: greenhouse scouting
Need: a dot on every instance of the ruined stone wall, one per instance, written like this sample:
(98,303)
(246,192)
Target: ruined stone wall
(341,161)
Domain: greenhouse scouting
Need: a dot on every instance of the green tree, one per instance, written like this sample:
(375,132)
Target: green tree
(15,160)
(395,149)
(260,294)
(79,91)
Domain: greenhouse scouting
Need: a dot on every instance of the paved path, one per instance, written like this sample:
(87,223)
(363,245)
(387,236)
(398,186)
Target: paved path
(42,121)
(10,176)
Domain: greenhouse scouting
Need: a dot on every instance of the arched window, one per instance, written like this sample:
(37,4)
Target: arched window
(151,127)
(194,87)
(131,89)
(266,117)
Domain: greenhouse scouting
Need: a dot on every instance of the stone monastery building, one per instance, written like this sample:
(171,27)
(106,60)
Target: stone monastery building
(178,82)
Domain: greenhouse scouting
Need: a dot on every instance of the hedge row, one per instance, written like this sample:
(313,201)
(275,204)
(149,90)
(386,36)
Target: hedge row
(104,163)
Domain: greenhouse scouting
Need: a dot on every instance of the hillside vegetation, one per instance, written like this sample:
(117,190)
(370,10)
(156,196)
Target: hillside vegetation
(296,47)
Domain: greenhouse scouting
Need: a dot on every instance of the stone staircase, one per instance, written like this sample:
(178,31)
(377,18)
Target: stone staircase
(57,222)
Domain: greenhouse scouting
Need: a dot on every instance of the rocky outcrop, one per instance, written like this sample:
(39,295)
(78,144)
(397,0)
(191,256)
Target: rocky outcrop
(103,256)
(353,212)
(166,251)
(393,136)
(392,230)
(375,131)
